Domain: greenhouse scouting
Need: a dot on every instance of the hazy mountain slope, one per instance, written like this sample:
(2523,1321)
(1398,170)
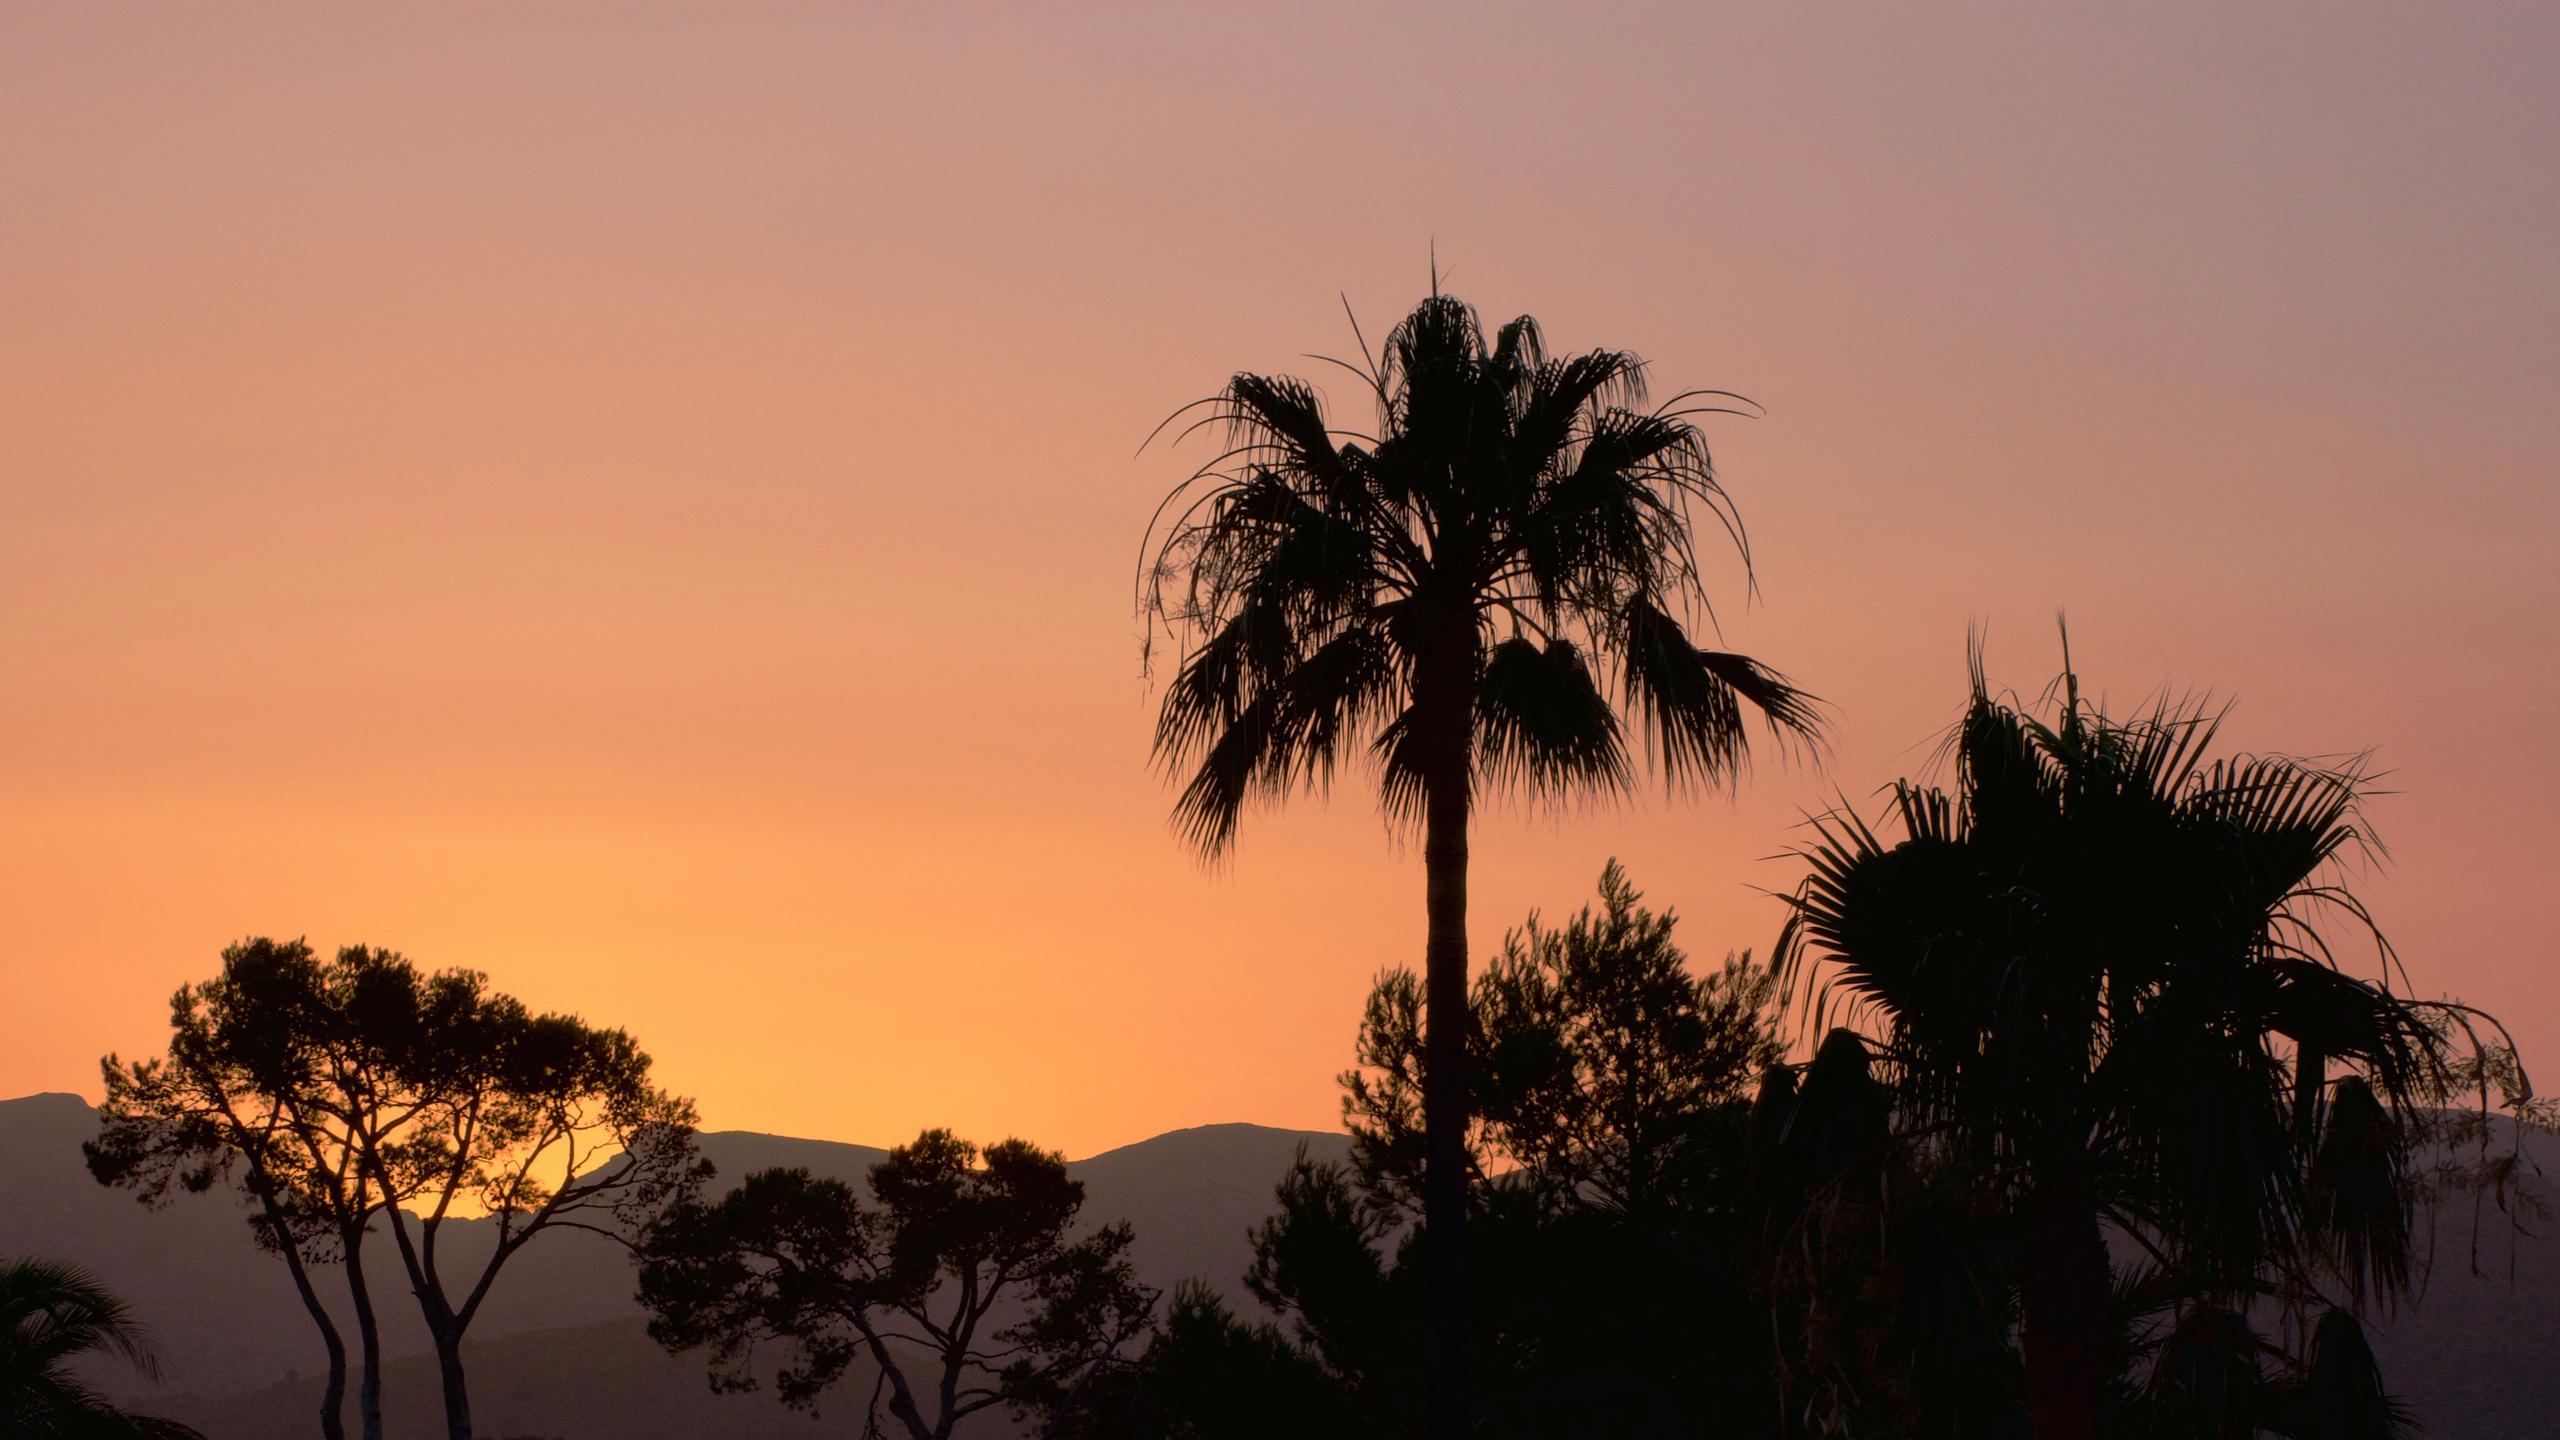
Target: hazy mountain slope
(561,1353)
(1192,1195)
(562,1316)
(218,1308)
(2477,1355)
(605,1381)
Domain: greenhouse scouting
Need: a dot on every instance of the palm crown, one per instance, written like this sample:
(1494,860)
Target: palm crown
(1464,589)
(2102,943)
(2100,974)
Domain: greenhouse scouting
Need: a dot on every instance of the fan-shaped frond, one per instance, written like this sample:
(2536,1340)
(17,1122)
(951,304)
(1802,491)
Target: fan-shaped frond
(53,1315)
(1690,700)
(1543,724)
(51,1312)
(1291,730)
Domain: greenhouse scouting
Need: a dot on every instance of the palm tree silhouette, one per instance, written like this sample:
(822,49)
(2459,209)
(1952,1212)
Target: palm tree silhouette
(1458,594)
(51,1315)
(2096,972)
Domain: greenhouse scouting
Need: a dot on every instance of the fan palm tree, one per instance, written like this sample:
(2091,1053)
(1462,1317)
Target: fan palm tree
(1470,597)
(51,1316)
(2097,973)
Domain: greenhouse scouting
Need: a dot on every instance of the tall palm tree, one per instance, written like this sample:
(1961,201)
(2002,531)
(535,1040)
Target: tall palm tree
(1471,594)
(51,1316)
(2097,973)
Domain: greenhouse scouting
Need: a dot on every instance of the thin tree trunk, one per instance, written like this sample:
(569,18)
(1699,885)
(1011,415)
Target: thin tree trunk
(457,1395)
(902,1400)
(444,1327)
(333,1394)
(368,1337)
(1446,1407)
(2067,1294)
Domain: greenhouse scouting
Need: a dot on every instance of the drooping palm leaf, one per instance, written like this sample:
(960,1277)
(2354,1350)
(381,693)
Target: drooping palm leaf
(2341,1394)
(51,1316)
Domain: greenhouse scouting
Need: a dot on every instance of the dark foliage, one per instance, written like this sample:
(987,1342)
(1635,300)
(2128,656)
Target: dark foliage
(1603,1073)
(2102,1005)
(1207,1375)
(53,1316)
(1608,1234)
(963,1285)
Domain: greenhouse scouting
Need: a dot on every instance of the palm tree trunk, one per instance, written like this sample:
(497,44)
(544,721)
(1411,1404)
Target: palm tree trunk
(2067,1294)
(1447,1415)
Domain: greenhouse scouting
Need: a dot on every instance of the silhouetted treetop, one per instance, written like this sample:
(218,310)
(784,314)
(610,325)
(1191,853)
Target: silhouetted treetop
(1600,1063)
(2107,976)
(1522,516)
(362,1094)
(963,1284)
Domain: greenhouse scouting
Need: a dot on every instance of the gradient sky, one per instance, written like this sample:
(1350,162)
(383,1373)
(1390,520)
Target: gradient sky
(642,502)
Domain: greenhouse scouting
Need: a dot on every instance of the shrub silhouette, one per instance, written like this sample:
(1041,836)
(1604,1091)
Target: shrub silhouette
(1613,1090)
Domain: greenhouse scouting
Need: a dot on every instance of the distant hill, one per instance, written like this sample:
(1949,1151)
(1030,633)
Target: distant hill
(561,1353)
(587,1382)
(2476,1352)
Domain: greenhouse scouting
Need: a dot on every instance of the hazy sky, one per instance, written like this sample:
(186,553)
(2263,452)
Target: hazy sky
(642,502)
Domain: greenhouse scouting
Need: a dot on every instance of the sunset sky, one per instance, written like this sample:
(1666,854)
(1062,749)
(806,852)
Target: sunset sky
(642,501)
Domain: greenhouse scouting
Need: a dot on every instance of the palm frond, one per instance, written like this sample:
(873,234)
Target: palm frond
(53,1315)
(2341,1395)
(51,1312)
(2359,1193)
(1543,724)
(1291,729)
(1690,700)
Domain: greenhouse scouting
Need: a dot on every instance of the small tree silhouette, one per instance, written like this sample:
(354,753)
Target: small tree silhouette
(253,1093)
(1459,593)
(362,1091)
(1599,1068)
(539,1122)
(967,1265)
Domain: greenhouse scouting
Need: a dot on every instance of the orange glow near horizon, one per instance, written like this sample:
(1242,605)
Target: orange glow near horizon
(643,505)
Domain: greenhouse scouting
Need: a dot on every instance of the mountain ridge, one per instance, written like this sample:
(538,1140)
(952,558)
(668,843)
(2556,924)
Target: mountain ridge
(2470,1351)
(235,1343)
